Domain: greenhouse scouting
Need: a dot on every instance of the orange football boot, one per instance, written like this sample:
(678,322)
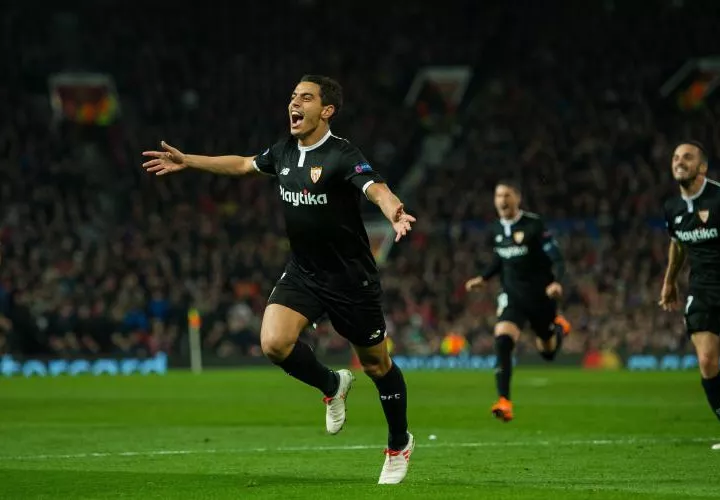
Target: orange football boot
(564,324)
(503,409)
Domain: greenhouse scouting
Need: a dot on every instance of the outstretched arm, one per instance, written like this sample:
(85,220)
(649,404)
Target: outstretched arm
(224,165)
(172,159)
(393,209)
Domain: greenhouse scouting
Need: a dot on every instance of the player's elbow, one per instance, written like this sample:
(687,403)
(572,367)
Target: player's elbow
(555,255)
(245,166)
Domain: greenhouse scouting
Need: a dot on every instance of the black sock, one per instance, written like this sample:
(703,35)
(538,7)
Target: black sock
(559,336)
(712,391)
(393,397)
(504,345)
(304,366)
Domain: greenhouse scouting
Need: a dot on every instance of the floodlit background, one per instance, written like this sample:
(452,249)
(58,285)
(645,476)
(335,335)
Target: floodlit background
(581,101)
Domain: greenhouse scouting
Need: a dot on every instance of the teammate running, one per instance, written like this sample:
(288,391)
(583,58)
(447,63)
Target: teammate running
(693,220)
(531,268)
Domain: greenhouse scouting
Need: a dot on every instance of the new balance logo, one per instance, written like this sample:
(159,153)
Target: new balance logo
(375,335)
(701,234)
(678,219)
(510,252)
(302,198)
(285,171)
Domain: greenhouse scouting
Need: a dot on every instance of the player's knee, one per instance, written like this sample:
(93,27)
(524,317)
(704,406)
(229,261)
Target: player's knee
(708,363)
(275,349)
(280,330)
(375,370)
(548,355)
(377,367)
(507,328)
(547,348)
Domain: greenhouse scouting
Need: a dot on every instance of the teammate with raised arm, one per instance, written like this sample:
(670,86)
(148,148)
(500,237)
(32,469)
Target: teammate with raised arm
(692,218)
(531,268)
(331,270)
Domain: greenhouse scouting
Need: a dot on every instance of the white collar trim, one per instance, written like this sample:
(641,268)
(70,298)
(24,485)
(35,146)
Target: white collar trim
(700,191)
(513,220)
(317,144)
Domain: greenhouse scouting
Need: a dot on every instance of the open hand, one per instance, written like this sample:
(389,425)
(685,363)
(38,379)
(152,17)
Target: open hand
(401,222)
(165,162)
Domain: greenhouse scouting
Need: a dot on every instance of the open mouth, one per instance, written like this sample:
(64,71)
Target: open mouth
(296,119)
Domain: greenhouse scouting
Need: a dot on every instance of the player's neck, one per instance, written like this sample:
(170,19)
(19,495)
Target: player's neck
(695,188)
(510,220)
(316,136)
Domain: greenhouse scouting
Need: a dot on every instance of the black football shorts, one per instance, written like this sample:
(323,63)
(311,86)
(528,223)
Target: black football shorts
(539,313)
(355,313)
(702,314)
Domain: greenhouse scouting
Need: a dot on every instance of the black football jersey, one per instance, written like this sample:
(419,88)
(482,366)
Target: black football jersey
(695,223)
(320,187)
(520,256)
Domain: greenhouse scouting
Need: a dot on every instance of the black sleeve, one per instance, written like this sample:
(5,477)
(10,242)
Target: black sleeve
(668,222)
(552,250)
(495,266)
(265,162)
(356,168)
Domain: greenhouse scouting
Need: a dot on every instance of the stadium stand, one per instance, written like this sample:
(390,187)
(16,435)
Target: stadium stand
(99,258)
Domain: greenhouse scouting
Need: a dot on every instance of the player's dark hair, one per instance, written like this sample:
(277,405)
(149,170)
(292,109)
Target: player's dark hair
(515,186)
(331,92)
(697,144)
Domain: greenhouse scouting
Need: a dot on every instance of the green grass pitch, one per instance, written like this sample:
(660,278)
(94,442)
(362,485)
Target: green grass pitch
(260,434)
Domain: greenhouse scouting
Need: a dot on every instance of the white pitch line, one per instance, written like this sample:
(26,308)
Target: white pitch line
(482,444)
(536,382)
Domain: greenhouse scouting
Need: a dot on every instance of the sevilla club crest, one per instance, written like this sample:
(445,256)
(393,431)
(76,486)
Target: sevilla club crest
(519,237)
(315,173)
(704,214)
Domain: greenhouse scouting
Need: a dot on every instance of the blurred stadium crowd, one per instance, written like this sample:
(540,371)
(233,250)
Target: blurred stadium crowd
(99,258)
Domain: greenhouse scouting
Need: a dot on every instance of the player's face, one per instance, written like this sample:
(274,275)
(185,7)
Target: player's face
(507,201)
(306,109)
(687,164)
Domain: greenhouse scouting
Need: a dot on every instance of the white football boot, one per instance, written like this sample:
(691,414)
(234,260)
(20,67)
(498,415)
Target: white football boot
(396,463)
(716,446)
(335,406)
